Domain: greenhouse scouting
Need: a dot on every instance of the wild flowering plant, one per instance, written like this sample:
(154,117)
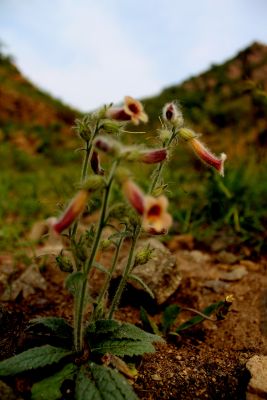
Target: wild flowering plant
(97,340)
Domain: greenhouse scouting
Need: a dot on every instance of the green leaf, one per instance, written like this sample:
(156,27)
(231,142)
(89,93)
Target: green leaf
(123,347)
(101,268)
(198,318)
(148,324)
(169,316)
(120,339)
(103,326)
(98,382)
(31,359)
(57,326)
(142,283)
(49,388)
(74,282)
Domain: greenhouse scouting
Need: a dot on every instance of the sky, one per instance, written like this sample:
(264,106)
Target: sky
(91,52)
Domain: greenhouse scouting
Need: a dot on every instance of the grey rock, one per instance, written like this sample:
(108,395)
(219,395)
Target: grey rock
(257,387)
(238,273)
(227,257)
(30,280)
(216,286)
(161,273)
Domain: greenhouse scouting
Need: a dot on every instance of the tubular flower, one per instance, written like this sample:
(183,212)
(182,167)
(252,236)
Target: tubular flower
(156,220)
(75,208)
(153,156)
(134,195)
(207,156)
(202,151)
(132,110)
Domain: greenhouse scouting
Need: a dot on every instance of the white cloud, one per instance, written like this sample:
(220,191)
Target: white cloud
(100,63)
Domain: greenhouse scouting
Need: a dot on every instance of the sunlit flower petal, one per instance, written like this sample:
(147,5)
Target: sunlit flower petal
(207,156)
(156,220)
(132,110)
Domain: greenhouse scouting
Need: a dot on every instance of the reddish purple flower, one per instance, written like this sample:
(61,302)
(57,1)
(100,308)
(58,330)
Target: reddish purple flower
(207,156)
(75,208)
(132,110)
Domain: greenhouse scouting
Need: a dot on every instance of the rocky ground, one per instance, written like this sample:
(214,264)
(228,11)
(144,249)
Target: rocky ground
(222,360)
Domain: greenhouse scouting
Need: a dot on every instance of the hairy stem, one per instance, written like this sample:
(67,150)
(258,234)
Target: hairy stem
(156,176)
(106,285)
(127,271)
(78,318)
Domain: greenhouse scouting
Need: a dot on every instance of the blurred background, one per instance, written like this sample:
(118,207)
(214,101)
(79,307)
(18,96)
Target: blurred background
(64,58)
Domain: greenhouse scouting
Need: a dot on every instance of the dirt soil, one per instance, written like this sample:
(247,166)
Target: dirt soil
(206,362)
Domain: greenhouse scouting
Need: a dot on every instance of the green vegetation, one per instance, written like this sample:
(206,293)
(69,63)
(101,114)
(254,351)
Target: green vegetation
(228,104)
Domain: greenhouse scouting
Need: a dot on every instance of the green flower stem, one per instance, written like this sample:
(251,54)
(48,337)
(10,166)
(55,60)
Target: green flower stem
(105,287)
(81,295)
(127,271)
(158,171)
(88,153)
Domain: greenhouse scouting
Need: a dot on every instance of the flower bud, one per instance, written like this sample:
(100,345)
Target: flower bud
(134,195)
(93,183)
(64,263)
(164,135)
(95,164)
(172,114)
(112,127)
(108,145)
(105,244)
(143,256)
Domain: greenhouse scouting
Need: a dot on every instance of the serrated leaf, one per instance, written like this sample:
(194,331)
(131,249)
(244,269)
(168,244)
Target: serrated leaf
(123,347)
(55,325)
(169,316)
(120,339)
(198,318)
(49,388)
(142,283)
(103,326)
(74,282)
(96,382)
(148,324)
(121,330)
(31,359)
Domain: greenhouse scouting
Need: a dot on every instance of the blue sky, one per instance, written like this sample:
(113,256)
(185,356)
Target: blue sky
(90,52)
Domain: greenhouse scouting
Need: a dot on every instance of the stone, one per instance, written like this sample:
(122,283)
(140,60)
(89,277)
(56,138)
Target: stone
(185,241)
(161,273)
(30,280)
(216,285)
(257,366)
(235,275)
(227,257)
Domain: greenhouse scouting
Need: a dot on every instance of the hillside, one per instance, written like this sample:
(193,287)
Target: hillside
(227,104)
(30,118)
